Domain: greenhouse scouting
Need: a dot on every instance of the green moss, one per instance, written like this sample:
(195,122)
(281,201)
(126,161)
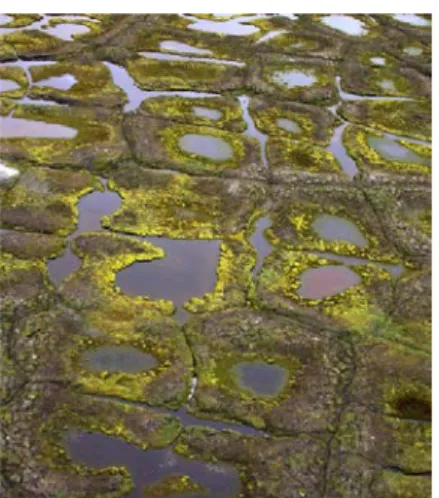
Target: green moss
(181,110)
(179,205)
(287,155)
(22,20)
(409,118)
(322,91)
(153,74)
(172,485)
(397,485)
(31,245)
(28,206)
(355,140)
(94,84)
(6,106)
(32,43)
(17,75)
(98,142)
(408,401)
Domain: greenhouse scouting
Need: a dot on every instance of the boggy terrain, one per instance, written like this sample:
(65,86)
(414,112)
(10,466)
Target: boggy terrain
(216,240)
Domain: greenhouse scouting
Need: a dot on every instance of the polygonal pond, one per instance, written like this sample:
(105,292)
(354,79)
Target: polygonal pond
(393,151)
(99,451)
(205,112)
(288,125)
(334,228)
(118,359)
(325,281)
(261,378)
(206,146)
(347,24)
(64,82)
(293,78)
(26,128)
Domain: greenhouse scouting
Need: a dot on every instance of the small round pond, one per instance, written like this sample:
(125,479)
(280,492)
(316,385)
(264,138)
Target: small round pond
(347,24)
(387,85)
(325,281)
(288,125)
(334,228)
(206,112)
(378,61)
(118,359)
(393,151)
(207,146)
(414,51)
(261,378)
(293,78)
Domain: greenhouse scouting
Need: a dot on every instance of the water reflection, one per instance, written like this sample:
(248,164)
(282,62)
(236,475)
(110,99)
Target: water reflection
(184,48)
(174,57)
(262,379)
(294,78)
(325,281)
(25,128)
(207,146)
(334,228)
(118,359)
(99,451)
(347,24)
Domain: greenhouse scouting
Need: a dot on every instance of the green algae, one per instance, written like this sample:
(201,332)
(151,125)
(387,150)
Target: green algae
(94,85)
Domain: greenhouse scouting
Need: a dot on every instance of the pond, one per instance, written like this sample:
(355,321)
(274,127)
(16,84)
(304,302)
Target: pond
(99,451)
(347,24)
(393,151)
(261,378)
(118,359)
(206,146)
(288,125)
(325,281)
(334,228)
(206,112)
(184,48)
(26,128)
(293,78)
(64,82)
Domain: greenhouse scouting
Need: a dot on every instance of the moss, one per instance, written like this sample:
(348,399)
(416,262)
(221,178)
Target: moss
(322,91)
(6,106)
(22,20)
(180,110)
(98,141)
(224,339)
(17,75)
(32,43)
(28,206)
(94,85)
(355,140)
(409,401)
(315,124)
(396,485)
(285,154)
(409,118)
(180,206)
(31,245)
(172,485)
(153,74)
(155,142)
(94,27)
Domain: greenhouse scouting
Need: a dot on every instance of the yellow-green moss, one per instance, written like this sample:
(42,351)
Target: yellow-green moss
(170,137)
(94,27)
(300,156)
(94,85)
(153,74)
(18,75)
(22,20)
(356,143)
(181,110)
(172,485)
